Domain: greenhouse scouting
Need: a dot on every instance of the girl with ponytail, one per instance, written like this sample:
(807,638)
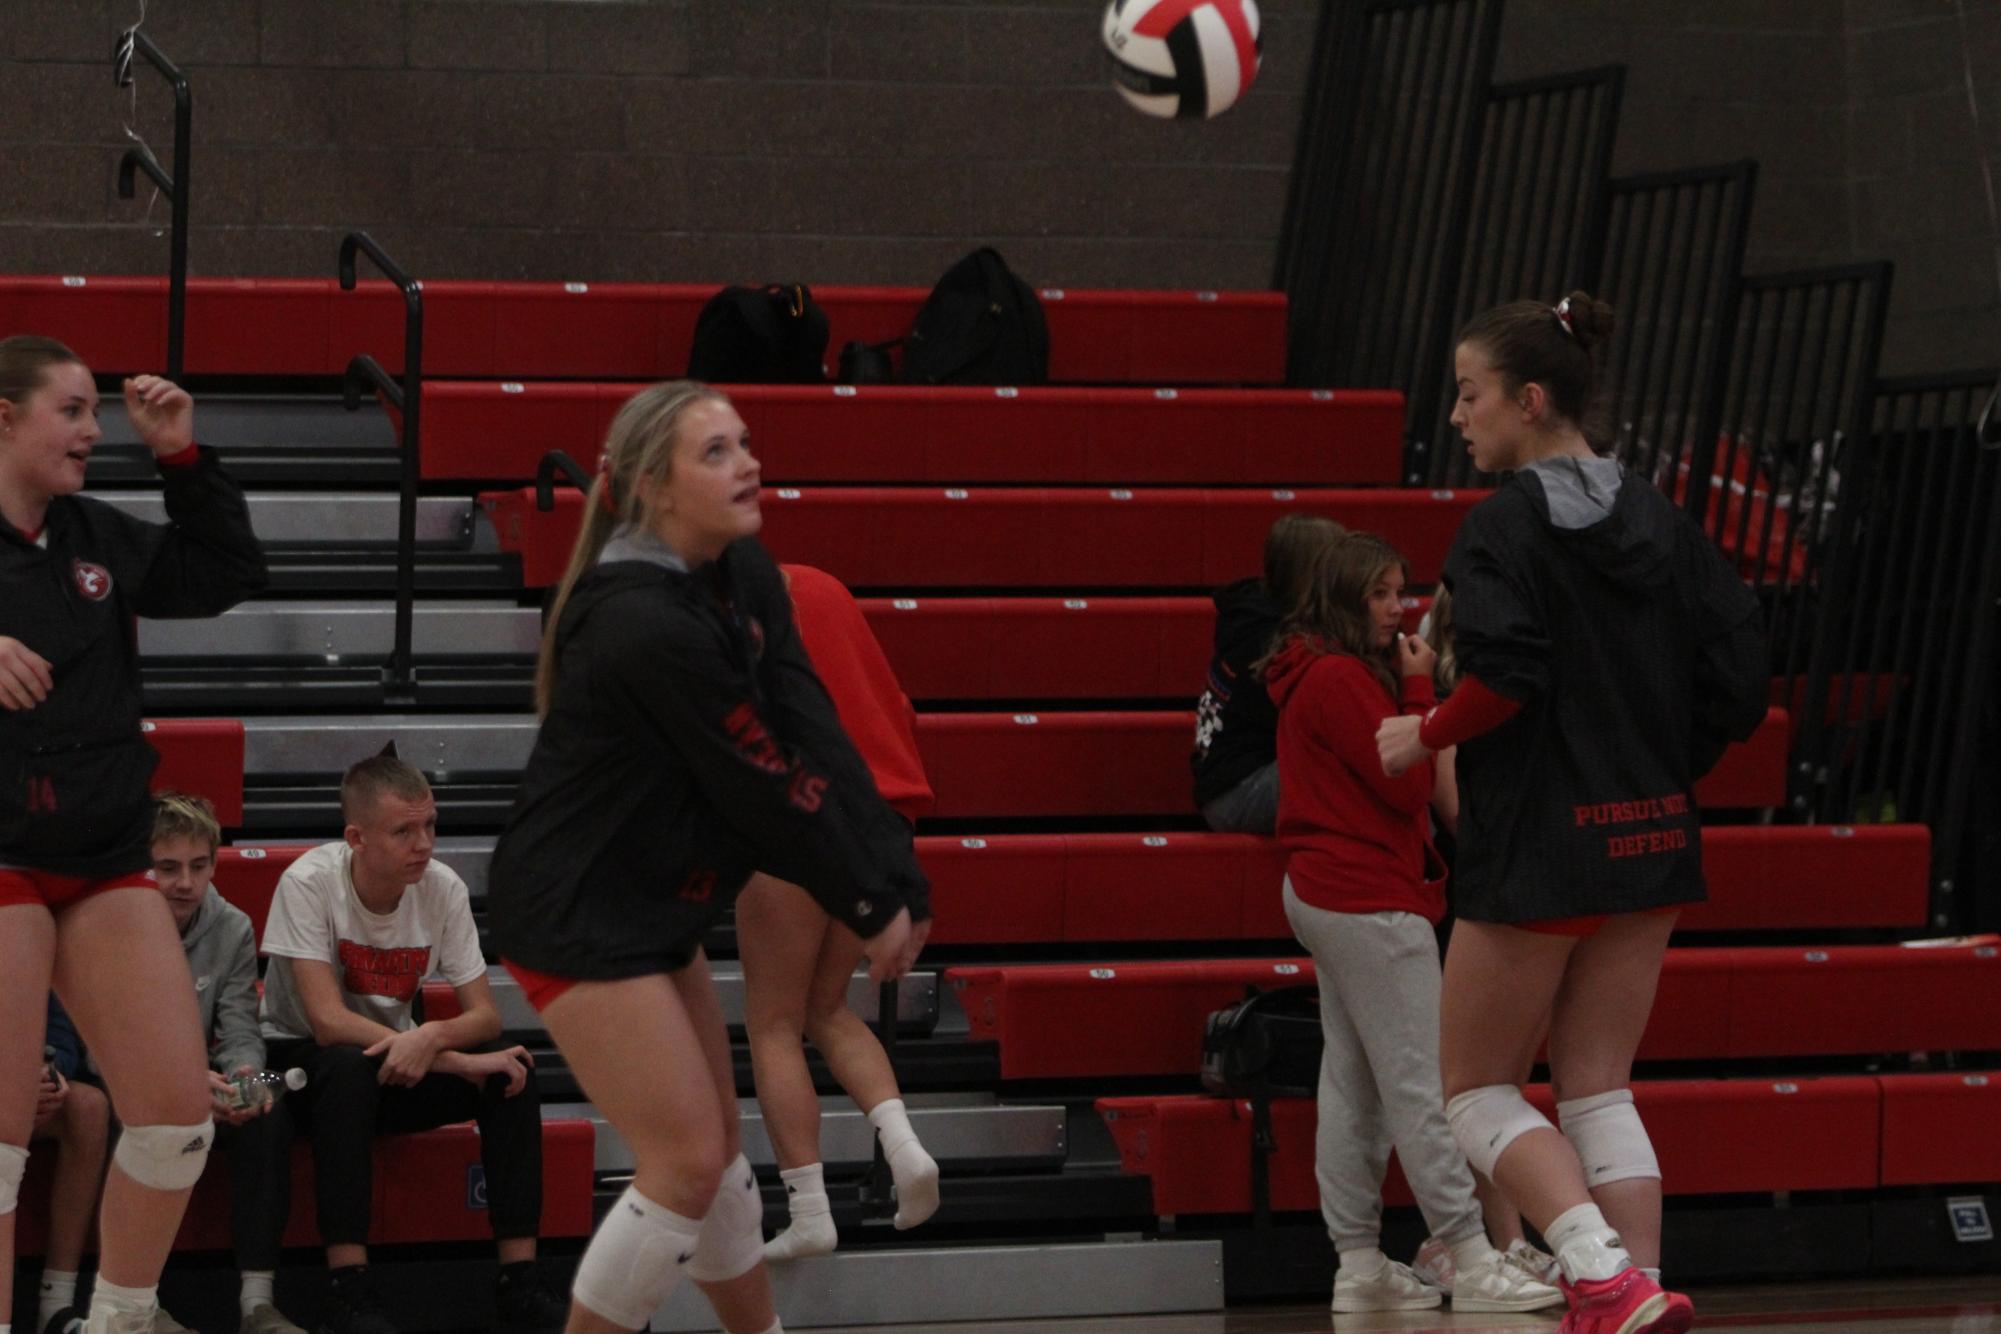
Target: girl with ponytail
(686,743)
(1607,655)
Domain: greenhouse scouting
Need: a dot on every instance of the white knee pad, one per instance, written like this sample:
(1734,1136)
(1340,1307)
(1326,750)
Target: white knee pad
(13,1166)
(1485,1121)
(634,1261)
(732,1239)
(165,1157)
(1605,1130)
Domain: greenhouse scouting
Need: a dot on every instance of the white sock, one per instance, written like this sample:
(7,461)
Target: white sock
(1362,1262)
(58,1291)
(255,1290)
(1585,1245)
(1470,1253)
(810,1229)
(914,1170)
(107,1299)
(1654,1273)
(775,1327)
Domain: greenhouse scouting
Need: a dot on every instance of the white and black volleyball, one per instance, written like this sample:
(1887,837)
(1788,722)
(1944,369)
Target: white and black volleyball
(1187,58)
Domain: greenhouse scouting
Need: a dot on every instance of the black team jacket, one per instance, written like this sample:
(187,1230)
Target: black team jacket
(688,744)
(1236,724)
(1637,655)
(74,769)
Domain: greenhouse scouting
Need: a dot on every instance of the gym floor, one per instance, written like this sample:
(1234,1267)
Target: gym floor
(1903,1306)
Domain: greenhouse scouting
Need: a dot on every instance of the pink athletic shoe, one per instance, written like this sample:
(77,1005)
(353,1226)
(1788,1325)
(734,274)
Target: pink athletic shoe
(1629,1303)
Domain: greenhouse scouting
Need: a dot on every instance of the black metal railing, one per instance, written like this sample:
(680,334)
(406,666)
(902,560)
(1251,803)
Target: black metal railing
(1536,207)
(132,44)
(405,399)
(1671,250)
(1765,468)
(1905,653)
(1376,215)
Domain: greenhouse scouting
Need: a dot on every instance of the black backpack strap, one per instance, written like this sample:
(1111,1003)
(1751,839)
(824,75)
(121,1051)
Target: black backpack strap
(1263,1145)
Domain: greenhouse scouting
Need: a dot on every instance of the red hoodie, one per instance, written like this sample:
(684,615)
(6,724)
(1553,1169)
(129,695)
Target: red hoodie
(1357,837)
(867,699)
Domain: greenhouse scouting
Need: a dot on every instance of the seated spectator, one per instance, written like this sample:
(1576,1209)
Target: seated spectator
(1236,728)
(355,927)
(221,946)
(75,1117)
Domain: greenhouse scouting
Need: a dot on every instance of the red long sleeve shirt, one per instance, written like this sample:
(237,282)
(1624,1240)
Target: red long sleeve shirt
(1358,838)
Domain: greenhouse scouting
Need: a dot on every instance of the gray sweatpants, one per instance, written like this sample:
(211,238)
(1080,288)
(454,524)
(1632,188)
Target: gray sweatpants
(1379,1082)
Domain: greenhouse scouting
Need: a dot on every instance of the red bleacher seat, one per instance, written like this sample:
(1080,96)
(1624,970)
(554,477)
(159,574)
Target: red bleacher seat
(913,434)
(1832,876)
(248,878)
(202,756)
(266,326)
(1052,648)
(1023,537)
(424,1190)
(1712,1136)
(1057,1021)
(1938,1129)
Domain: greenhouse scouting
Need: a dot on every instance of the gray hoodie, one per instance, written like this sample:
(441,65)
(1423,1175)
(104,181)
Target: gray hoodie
(221,945)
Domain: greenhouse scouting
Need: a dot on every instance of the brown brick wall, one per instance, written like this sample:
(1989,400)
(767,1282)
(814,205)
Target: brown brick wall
(875,140)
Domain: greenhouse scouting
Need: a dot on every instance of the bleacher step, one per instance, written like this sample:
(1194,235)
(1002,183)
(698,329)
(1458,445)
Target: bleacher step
(916,999)
(984,1135)
(323,631)
(946,1284)
(321,519)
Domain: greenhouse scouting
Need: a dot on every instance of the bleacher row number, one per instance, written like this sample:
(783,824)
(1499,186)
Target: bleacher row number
(513,387)
(1104,974)
(1286,969)
(75,280)
(973,843)
(788,493)
(576,289)
(1075,604)
(1153,841)
(844,391)
(1026,719)
(1006,391)
(905,604)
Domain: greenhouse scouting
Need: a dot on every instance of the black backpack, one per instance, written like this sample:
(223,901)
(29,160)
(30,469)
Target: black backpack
(760,335)
(980,325)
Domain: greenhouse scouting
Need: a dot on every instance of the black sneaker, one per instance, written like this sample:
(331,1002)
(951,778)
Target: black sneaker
(524,1304)
(354,1306)
(68,1320)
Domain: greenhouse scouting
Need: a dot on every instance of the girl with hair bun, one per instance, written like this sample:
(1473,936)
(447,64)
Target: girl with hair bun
(1363,890)
(1607,656)
(686,743)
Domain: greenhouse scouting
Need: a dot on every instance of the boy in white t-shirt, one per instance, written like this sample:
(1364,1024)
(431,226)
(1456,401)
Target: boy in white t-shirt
(354,929)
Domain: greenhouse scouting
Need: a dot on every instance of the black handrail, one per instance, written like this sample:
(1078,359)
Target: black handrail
(132,42)
(553,462)
(399,677)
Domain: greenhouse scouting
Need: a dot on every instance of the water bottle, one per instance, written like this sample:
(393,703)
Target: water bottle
(49,1072)
(257,1088)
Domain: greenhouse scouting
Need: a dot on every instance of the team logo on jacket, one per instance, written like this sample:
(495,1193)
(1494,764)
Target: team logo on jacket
(93,581)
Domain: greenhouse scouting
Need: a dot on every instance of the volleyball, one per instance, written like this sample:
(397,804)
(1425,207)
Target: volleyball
(1183,58)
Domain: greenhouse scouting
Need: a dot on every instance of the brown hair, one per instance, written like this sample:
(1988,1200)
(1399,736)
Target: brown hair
(364,783)
(24,364)
(1290,547)
(184,815)
(1332,612)
(640,444)
(1560,347)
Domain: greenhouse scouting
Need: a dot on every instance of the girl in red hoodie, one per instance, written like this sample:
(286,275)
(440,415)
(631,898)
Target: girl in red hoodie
(1363,890)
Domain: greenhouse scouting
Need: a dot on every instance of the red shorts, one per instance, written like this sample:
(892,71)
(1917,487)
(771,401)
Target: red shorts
(1581,926)
(55,892)
(540,988)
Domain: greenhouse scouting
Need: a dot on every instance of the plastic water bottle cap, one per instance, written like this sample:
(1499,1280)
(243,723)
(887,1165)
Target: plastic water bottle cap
(295,1079)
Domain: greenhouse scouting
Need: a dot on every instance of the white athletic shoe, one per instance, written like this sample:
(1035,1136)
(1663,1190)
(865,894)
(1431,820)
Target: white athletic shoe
(1499,1285)
(1433,1265)
(1539,1265)
(1392,1288)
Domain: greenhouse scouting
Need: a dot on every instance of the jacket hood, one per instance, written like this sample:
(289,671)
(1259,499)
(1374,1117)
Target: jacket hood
(1288,668)
(1242,602)
(207,914)
(1630,542)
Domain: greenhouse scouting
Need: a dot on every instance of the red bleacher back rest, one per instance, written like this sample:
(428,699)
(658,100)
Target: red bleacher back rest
(248,878)
(1767,877)
(202,756)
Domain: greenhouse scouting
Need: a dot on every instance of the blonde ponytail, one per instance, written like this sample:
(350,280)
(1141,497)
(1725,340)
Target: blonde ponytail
(639,445)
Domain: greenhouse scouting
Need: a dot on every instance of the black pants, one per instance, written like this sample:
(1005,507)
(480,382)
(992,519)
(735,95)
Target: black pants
(260,1184)
(343,1108)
